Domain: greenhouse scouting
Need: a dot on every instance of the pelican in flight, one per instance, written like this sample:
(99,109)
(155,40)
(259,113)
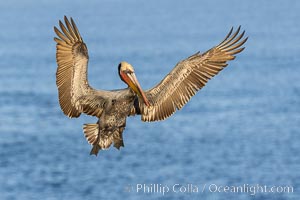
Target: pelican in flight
(112,107)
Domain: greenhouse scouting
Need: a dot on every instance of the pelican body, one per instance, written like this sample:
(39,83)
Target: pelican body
(112,108)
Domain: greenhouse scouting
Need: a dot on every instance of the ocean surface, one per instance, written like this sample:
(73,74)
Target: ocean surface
(238,136)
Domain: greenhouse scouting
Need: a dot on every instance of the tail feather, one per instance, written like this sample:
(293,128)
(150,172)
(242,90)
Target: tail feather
(91,132)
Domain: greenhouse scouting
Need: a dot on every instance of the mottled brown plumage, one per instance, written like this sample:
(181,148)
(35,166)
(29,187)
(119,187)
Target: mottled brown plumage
(76,96)
(189,76)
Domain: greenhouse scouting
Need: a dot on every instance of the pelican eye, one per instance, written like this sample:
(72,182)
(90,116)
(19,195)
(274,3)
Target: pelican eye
(128,71)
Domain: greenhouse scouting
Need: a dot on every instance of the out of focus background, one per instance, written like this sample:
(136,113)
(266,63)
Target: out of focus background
(242,129)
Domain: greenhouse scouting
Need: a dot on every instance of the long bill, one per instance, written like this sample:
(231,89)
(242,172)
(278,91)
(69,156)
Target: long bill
(135,86)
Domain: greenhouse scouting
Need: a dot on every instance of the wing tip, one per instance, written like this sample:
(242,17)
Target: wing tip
(68,31)
(233,41)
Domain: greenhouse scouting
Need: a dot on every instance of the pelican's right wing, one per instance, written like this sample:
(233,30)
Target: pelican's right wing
(75,95)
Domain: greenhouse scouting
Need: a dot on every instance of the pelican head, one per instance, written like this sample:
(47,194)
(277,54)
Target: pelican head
(127,75)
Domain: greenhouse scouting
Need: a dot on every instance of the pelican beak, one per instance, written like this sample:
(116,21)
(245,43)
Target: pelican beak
(135,86)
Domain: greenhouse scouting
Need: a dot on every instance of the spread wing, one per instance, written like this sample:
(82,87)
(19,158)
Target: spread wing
(75,94)
(189,76)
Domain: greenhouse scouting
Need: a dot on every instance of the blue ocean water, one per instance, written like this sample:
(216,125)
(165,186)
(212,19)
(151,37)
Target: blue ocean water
(242,129)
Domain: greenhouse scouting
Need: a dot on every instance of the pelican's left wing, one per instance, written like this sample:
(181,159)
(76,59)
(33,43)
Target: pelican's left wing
(189,76)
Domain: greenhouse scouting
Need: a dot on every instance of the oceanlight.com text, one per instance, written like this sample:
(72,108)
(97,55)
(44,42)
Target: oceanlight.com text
(163,189)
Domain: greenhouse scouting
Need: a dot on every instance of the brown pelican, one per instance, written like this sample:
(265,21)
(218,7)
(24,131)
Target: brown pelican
(76,96)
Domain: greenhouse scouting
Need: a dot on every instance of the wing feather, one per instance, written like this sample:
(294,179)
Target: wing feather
(75,95)
(189,76)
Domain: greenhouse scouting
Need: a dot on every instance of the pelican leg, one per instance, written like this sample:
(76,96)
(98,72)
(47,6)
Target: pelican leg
(118,138)
(95,150)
